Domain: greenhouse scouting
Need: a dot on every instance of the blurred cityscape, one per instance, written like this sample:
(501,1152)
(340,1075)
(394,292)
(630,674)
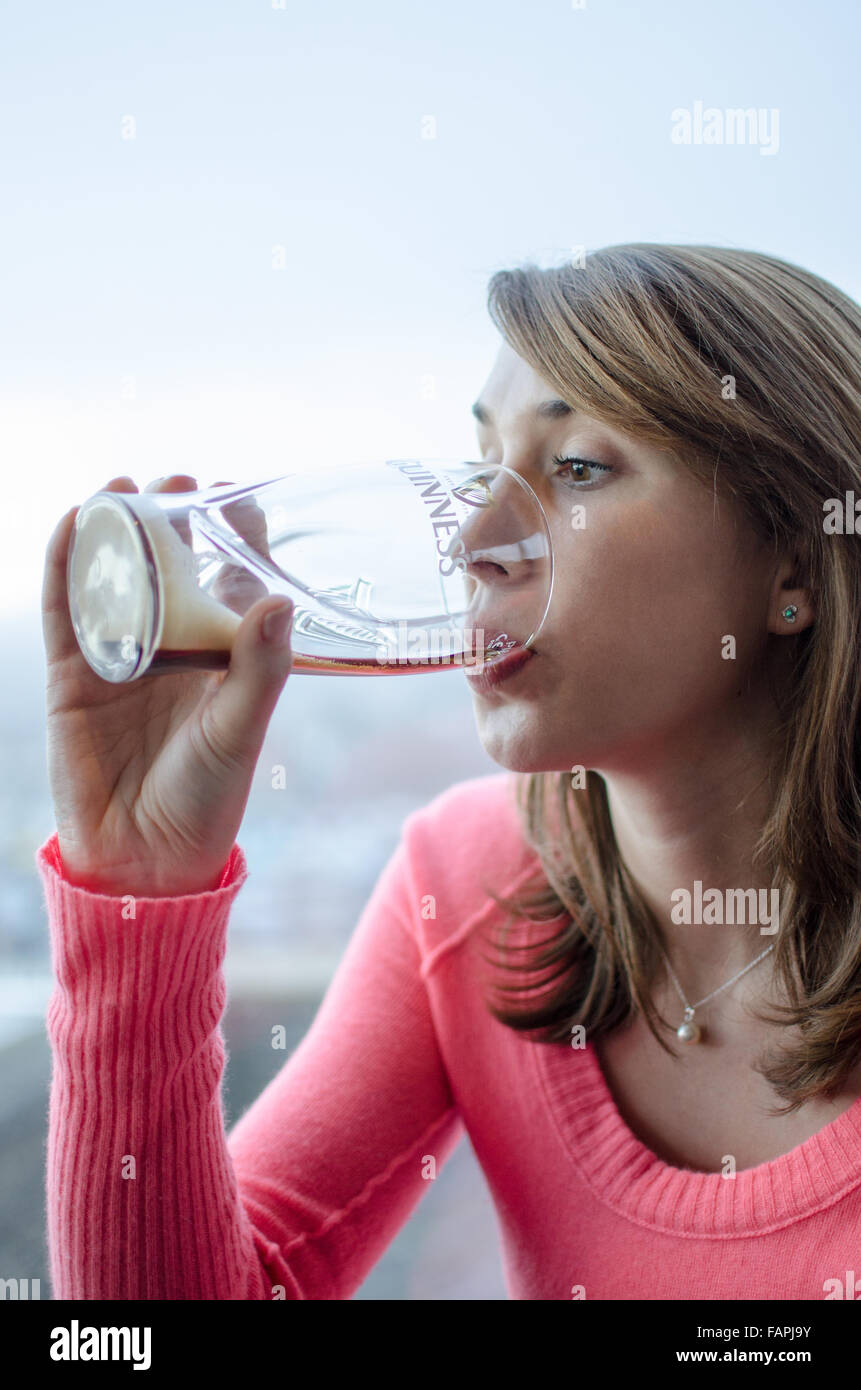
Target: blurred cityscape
(359,755)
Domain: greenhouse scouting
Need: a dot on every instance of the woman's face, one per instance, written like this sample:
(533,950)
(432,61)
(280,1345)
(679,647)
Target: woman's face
(630,662)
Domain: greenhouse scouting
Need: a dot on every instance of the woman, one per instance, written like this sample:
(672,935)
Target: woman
(663,1108)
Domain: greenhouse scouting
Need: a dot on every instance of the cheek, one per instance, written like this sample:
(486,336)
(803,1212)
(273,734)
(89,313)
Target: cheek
(634,645)
(643,603)
(686,564)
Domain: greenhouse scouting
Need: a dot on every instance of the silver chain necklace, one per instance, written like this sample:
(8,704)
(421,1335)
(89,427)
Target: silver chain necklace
(688,1031)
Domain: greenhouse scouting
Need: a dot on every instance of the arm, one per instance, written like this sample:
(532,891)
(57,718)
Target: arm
(147,1197)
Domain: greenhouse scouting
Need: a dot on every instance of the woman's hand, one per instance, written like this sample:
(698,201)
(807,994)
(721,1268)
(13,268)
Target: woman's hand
(150,779)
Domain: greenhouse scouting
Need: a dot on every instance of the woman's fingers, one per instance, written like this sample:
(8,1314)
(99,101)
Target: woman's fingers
(234,586)
(122,484)
(237,589)
(234,721)
(176,482)
(57,631)
(248,521)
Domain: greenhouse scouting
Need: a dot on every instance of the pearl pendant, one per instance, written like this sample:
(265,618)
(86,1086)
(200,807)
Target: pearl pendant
(688,1032)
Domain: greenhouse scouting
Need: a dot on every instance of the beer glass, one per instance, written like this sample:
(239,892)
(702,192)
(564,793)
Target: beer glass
(411,565)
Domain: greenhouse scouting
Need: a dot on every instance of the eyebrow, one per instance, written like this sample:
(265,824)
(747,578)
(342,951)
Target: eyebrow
(553,409)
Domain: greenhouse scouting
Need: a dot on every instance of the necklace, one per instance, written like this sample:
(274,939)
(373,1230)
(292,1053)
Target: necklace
(689,1031)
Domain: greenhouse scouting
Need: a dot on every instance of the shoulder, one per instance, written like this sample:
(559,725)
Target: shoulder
(471,824)
(466,841)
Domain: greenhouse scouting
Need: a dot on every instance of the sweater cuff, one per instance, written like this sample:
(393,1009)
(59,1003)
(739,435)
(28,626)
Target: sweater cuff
(163,946)
(50,864)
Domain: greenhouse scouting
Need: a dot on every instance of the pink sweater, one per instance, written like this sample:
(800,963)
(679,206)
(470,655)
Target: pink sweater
(305,1193)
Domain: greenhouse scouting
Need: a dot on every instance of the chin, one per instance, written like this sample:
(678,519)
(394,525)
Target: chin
(516,742)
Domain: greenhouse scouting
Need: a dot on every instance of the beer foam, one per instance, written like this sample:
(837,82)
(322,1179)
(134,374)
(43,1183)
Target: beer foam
(191,619)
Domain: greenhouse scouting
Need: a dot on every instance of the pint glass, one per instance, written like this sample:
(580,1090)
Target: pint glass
(411,565)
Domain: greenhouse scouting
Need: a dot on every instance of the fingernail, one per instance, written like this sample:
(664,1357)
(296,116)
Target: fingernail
(276,623)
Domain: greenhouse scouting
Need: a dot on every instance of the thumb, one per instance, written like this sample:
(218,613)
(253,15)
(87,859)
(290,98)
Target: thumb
(260,662)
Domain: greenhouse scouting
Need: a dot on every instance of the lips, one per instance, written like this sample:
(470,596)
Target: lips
(499,645)
(504,656)
(486,644)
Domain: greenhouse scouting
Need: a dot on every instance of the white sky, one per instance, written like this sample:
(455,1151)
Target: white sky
(145,265)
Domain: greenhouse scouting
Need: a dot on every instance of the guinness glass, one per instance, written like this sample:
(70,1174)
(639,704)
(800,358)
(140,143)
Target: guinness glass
(406,566)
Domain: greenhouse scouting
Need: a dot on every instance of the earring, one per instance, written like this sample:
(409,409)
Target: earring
(789,613)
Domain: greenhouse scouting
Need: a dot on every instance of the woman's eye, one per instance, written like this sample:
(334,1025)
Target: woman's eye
(581,472)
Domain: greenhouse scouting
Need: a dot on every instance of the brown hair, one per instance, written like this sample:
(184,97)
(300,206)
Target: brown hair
(645,338)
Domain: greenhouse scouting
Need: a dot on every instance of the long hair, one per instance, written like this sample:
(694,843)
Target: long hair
(748,369)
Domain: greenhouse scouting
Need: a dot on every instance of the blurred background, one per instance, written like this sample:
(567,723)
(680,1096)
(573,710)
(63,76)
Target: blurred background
(240,239)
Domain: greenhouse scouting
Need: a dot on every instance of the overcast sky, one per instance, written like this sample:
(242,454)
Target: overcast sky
(243,238)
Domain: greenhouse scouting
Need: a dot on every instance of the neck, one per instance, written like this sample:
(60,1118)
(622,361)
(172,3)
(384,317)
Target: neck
(693,817)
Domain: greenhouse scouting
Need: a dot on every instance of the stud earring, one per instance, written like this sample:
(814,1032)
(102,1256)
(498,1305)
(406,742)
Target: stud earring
(789,613)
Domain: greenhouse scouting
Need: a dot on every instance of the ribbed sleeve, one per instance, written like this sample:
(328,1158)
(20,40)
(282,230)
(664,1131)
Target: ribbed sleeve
(147,1197)
(141,1197)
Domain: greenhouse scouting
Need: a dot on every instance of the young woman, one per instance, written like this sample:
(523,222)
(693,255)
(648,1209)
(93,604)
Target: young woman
(638,990)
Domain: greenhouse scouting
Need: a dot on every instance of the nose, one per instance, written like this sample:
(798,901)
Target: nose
(504,555)
(501,537)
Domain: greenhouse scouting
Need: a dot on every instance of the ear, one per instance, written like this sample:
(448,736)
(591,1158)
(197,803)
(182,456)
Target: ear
(789,592)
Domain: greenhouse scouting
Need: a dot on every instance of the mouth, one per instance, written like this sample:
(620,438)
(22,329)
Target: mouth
(504,656)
